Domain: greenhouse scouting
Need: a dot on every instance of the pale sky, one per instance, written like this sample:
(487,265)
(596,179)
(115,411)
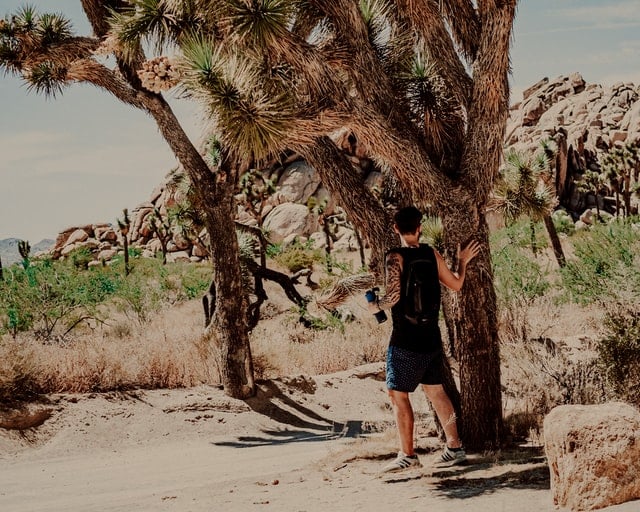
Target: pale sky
(83,157)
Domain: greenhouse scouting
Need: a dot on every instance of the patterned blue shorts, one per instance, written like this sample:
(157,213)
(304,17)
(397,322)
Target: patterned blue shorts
(406,369)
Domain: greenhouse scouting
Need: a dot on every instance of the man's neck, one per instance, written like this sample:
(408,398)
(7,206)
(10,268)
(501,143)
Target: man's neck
(410,241)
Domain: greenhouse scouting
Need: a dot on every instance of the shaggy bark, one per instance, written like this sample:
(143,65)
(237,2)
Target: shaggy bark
(363,210)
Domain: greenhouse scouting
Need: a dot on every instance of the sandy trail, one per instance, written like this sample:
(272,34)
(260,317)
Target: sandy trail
(303,444)
(202,476)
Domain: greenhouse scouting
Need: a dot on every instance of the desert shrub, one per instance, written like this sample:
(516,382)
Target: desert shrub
(80,257)
(518,279)
(563,222)
(328,321)
(169,351)
(18,373)
(195,280)
(297,257)
(273,250)
(522,425)
(606,264)
(139,297)
(52,298)
(519,234)
(619,351)
(539,375)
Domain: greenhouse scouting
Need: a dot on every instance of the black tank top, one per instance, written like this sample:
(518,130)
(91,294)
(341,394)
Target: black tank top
(404,334)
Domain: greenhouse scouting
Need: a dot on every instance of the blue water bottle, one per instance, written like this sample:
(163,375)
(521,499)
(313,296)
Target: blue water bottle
(372,296)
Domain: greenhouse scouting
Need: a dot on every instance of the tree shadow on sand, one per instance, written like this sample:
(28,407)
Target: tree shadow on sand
(523,469)
(299,422)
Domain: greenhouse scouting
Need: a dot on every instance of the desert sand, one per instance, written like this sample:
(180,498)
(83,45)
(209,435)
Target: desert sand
(302,444)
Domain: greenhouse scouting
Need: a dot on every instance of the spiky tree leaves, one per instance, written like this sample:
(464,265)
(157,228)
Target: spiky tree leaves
(524,189)
(253,122)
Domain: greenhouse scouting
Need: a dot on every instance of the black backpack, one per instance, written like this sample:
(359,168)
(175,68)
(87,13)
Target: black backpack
(421,286)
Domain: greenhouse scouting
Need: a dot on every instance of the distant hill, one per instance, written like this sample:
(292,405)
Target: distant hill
(9,249)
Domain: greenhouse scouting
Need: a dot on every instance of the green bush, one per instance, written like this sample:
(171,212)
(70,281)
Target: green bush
(50,298)
(81,257)
(619,351)
(517,278)
(563,222)
(297,257)
(606,264)
(519,234)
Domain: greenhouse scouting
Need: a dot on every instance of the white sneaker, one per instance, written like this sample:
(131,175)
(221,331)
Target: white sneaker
(451,457)
(401,463)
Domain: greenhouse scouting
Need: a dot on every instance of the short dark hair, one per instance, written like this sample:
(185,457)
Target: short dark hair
(407,219)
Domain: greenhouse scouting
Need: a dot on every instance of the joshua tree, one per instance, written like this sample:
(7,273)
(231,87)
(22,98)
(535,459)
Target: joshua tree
(622,165)
(422,85)
(124,225)
(1,271)
(525,189)
(162,229)
(592,182)
(24,248)
(44,51)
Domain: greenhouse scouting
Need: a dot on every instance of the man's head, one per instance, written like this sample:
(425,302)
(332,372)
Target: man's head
(407,220)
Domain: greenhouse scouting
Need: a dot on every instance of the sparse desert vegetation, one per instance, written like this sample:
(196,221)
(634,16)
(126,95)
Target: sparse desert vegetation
(567,336)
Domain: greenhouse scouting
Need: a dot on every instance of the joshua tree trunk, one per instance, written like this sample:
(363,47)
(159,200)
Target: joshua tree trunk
(1,272)
(230,316)
(626,196)
(534,244)
(555,240)
(475,336)
(215,198)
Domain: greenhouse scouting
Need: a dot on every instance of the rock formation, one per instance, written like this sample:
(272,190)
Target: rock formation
(583,120)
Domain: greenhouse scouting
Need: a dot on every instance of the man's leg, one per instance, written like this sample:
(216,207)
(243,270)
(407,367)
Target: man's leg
(404,419)
(445,411)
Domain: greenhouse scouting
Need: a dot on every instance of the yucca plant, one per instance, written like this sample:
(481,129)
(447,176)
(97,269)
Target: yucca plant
(524,190)
(24,248)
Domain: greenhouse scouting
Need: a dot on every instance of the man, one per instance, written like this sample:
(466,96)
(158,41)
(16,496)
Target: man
(415,352)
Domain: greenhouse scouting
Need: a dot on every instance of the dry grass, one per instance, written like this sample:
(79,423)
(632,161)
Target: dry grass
(546,353)
(168,352)
(285,347)
(553,364)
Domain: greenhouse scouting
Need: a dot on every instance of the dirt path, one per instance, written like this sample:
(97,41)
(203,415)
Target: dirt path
(303,444)
(204,476)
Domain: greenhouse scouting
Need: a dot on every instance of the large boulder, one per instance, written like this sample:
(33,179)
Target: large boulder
(287,219)
(298,182)
(593,453)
